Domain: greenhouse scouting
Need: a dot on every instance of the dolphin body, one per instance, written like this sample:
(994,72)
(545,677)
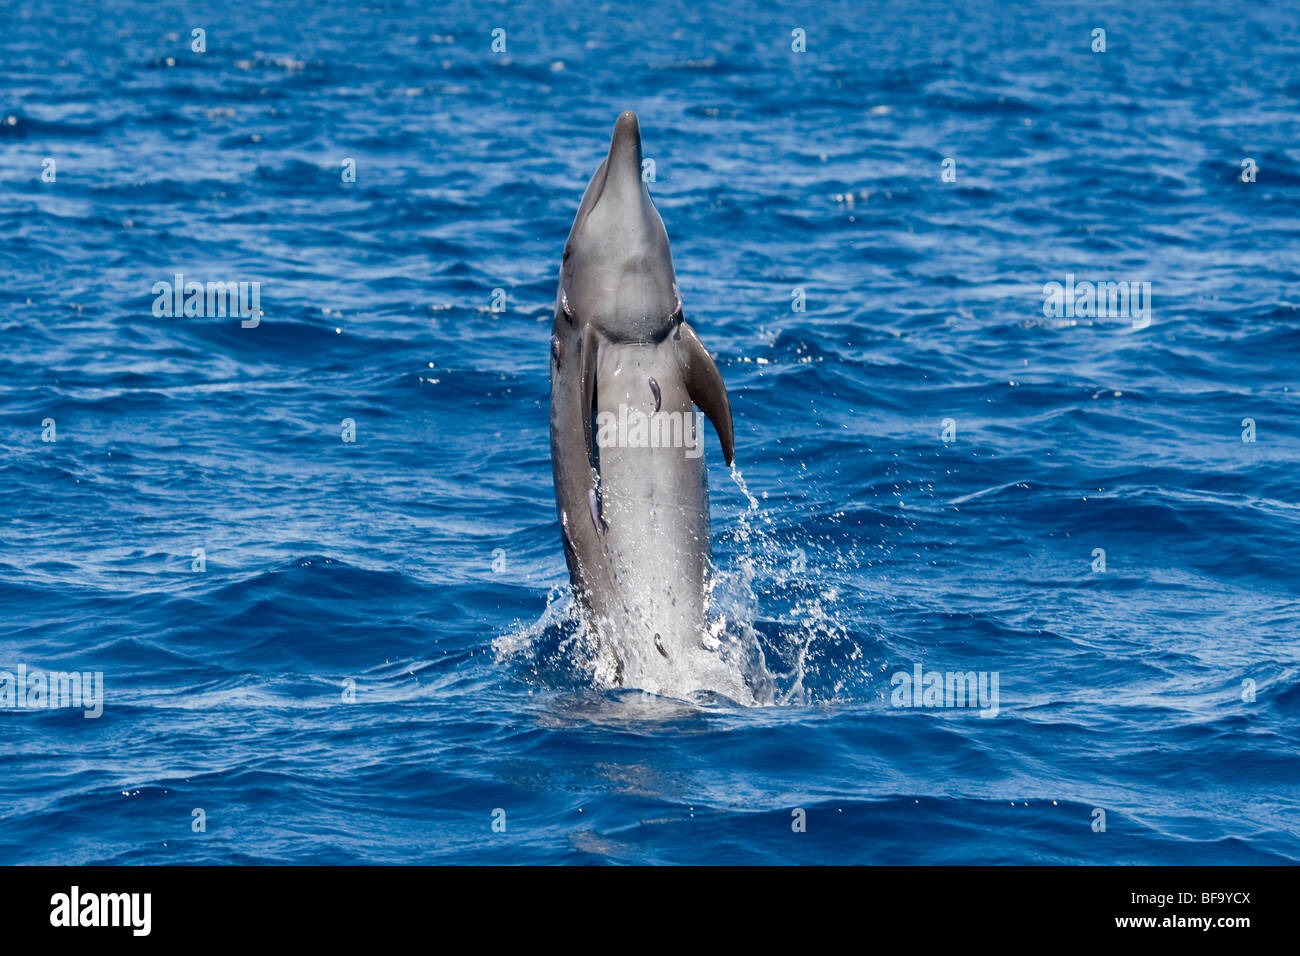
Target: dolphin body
(633,498)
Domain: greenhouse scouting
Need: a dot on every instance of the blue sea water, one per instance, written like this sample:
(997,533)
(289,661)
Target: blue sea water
(377,659)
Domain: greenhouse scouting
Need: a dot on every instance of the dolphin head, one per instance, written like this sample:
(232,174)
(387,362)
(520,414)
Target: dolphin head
(618,271)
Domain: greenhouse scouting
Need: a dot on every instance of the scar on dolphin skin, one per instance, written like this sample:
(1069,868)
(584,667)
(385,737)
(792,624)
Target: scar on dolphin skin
(593,502)
(564,304)
(654,388)
(556,348)
(659,646)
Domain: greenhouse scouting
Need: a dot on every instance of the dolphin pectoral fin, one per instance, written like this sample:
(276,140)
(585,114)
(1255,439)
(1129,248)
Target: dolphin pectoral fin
(587,386)
(705,386)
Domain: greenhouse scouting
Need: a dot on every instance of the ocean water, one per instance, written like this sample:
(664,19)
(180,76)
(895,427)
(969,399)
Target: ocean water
(325,651)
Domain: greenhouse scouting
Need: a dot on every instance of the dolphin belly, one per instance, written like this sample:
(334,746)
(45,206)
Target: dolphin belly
(654,497)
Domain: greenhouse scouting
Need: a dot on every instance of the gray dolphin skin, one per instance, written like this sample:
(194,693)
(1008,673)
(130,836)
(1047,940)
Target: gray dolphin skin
(626,444)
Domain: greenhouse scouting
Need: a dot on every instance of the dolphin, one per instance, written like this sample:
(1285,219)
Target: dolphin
(627,372)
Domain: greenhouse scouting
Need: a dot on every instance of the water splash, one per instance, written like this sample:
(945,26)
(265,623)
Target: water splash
(766,573)
(743,658)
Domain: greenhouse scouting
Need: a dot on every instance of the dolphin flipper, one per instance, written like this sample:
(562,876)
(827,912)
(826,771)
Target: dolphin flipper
(705,385)
(587,354)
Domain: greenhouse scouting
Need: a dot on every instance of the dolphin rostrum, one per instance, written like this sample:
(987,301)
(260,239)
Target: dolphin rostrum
(626,443)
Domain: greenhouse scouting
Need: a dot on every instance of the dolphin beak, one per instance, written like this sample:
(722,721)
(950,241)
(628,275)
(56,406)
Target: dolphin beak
(618,180)
(623,166)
